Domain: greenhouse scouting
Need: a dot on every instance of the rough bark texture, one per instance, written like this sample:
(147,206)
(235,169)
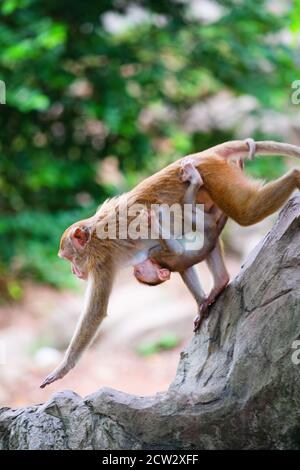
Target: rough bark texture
(236,386)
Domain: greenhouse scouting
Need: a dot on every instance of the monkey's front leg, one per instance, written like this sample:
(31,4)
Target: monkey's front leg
(221,278)
(191,279)
(96,305)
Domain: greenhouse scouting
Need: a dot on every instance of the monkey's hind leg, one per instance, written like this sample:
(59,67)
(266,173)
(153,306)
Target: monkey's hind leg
(269,198)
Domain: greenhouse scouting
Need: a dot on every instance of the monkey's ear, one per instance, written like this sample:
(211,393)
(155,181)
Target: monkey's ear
(80,236)
(164,274)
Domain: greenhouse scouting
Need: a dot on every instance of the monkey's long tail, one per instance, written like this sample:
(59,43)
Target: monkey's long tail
(246,149)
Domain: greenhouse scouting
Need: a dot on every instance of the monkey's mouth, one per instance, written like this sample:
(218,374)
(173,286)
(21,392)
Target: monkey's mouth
(77,272)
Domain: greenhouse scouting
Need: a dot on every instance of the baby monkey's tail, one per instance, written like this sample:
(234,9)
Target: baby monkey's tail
(248,148)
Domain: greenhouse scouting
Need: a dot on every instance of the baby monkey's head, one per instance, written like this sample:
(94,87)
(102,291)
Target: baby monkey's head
(150,273)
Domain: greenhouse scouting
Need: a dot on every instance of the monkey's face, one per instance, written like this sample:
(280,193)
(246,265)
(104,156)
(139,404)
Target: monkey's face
(74,248)
(151,273)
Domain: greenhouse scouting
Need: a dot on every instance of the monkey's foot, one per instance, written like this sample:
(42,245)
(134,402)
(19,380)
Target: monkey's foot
(204,308)
(188,173)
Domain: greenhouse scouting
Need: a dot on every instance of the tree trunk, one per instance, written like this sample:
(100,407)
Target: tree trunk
(237,385)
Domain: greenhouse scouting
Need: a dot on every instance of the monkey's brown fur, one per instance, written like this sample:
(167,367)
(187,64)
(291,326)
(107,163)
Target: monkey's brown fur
(245,200)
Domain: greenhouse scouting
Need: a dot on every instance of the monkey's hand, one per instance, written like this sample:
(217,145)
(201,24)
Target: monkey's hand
(57,374)
(204,307)
(188,173)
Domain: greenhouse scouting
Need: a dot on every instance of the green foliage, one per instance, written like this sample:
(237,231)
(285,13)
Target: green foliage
(78,93)
(33,252)
(267,169)
(167,341)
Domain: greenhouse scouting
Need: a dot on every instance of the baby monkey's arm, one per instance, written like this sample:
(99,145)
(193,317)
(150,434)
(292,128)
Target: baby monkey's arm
(188,173)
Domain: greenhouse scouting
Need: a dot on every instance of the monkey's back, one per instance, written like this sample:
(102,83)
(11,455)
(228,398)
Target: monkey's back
(226,184)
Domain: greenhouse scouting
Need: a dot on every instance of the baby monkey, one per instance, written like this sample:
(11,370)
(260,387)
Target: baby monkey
(173,254)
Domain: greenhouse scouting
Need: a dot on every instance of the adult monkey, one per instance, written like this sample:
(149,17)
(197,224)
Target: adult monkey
(245,200)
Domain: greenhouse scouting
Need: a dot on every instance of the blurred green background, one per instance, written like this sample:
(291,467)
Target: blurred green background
(102,94)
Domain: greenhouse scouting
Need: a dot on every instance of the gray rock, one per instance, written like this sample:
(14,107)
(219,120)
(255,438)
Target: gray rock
(236,385)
